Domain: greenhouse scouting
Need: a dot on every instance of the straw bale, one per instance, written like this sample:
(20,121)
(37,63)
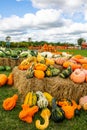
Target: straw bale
(1,61)
(58,87)
(10,62)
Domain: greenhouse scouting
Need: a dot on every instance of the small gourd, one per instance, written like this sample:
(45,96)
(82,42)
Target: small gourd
(30,72)
(10,103)
(10,79)
(66,72)
(45,114)
(57,112)
(3,79)
(42,102)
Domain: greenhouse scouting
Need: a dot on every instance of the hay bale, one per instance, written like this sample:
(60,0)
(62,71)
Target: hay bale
(10,62)
(1,61)
(6,61)
(65,88)
(58,87)
(24,85)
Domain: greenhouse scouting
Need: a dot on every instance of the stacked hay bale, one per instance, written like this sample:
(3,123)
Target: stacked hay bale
(58,87)
(10,62)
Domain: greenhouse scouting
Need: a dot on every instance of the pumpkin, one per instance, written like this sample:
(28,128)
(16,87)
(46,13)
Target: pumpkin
(85,71)
(42,102)
(60,60)
(83,102)
(23,67)
(83,61)
(10,103)
(78,56)
(78,76)
(27,113)
(45,114)
(72,64)
(3,79)
(10,80)
(84,66)
(57,112)
(39,74)
(40,66)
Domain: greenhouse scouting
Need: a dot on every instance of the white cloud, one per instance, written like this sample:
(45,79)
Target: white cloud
(53,23)
(66,4)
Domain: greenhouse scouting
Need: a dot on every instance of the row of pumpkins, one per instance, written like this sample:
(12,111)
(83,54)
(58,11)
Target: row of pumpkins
(74,67)
(49,108)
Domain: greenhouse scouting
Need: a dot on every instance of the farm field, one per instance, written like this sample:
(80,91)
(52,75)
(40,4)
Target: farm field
(9,120)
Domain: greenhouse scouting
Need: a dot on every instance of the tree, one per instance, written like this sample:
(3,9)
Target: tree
(80,40)
(8,38)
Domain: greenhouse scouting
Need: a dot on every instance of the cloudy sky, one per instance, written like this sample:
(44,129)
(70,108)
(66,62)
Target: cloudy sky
(43,20)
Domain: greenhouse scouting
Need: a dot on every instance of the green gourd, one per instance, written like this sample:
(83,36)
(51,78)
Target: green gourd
(57,112)
(65,73)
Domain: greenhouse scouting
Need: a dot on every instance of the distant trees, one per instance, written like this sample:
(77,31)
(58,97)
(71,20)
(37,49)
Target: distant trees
(80,40)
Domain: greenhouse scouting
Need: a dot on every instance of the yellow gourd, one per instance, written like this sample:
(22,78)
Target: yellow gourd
(45,114)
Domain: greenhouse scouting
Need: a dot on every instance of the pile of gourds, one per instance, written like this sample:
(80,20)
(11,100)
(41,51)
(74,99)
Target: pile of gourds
(74,67)
(50,108)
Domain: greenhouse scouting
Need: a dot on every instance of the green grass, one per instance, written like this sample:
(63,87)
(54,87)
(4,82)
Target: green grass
(9,120)
(74,52)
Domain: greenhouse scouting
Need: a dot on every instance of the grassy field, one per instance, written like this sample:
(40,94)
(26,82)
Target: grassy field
(9,120)
(82,52)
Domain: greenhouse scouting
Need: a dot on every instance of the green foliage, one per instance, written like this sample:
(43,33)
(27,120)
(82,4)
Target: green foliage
(80,40)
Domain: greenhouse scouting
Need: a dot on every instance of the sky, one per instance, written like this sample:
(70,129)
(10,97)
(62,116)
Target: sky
(43,20)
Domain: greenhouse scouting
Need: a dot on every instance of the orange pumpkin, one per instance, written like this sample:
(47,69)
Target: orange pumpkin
(23,67)
(78,56)
(83,61)
(39,74)
(40,66)
(72,64)
(3,79)
(84,66)
(78,76)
